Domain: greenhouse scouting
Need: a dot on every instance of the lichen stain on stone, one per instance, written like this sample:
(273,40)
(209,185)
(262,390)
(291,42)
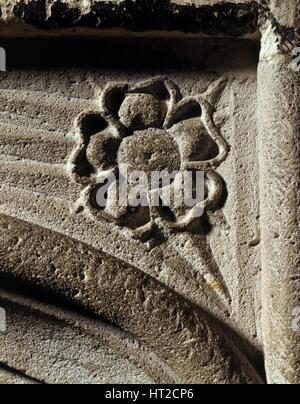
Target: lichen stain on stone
(215,285)
(33,12)
(224,18)
(221,18)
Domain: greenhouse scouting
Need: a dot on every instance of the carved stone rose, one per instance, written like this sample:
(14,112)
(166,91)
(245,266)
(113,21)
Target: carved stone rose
(148,127)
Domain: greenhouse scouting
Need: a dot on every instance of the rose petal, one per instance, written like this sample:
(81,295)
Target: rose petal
(194,142)
(142,111)
(102,150)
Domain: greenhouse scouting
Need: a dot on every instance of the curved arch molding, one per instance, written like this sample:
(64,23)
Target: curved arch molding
(188,340)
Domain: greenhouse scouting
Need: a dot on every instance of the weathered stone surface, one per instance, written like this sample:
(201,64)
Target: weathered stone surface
(50,153)
(56,345)
(191,299)
(279,118)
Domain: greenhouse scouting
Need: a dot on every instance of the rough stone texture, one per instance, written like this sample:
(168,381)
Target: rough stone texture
(190,300)
(129,298)
(71,348)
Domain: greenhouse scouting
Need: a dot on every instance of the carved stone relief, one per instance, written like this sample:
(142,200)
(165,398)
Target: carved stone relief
(155,293)
(92,132)
(148,127)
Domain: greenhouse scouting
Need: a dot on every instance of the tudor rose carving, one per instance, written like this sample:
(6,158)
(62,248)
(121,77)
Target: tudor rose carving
(150,127)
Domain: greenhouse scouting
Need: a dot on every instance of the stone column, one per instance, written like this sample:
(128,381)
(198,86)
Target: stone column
(279,159)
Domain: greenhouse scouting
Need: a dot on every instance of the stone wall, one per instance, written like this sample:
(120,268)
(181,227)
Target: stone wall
(149,294)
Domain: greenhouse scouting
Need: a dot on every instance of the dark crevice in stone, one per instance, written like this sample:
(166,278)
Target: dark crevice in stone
(25,289)
(63,16)
(33,12)
(152,56)
(19,373)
